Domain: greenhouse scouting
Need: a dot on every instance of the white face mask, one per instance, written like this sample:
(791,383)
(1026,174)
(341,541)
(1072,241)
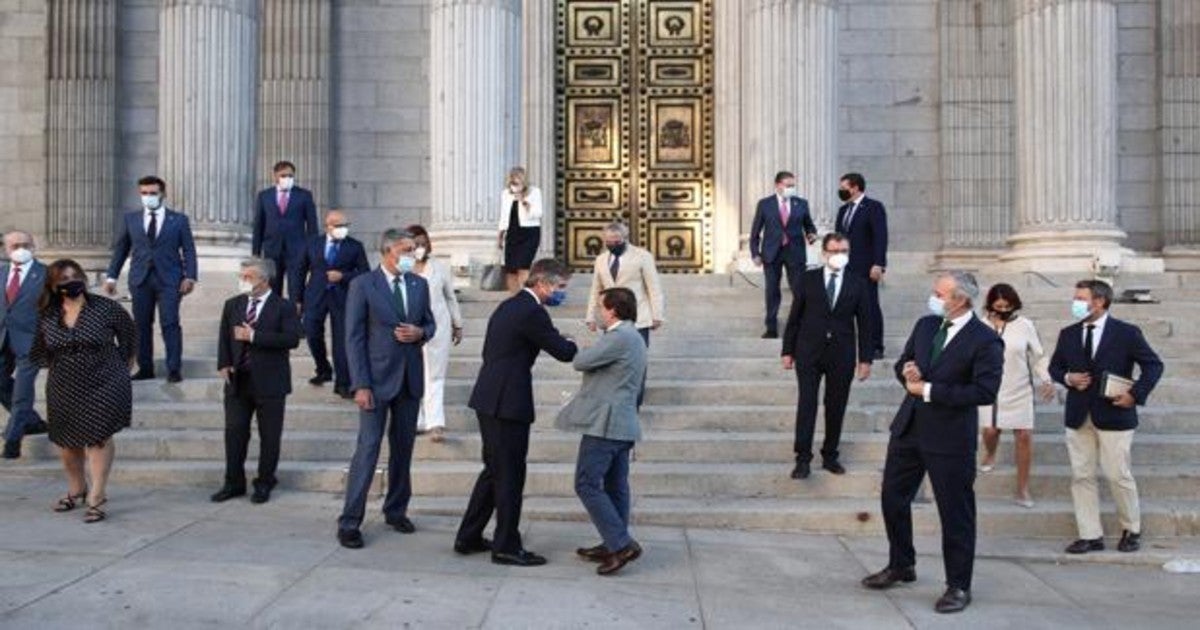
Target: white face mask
(286,183)
(21,256)
(420,253)
(245,286)
(340,233)
(151,202)
(515,188)
(937,306)
(837,262)
(405,264)
(1080,309)
(790,191)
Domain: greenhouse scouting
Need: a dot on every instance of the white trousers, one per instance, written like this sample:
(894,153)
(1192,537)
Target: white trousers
(1087,446)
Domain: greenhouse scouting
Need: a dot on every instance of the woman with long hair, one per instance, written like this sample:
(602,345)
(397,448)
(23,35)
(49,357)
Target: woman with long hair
(520,226)
(448,317)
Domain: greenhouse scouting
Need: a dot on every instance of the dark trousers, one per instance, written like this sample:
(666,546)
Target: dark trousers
(645,333)
(876,326)
(241,404)
(602,484)
(401,433)
(287,264)
(791,259)
(17,392)
(500,486)
(836,366)
(953,479)
(146,296)
(314,330)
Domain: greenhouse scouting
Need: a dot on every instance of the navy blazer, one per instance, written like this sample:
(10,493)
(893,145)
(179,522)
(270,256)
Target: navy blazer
(19,320)
(766,231)
(171,257)
(377,361)
(813,323)
(284,234)
(276,333)
(966,376)
(351,260)
(517,331)
(868,234)
(1121,347)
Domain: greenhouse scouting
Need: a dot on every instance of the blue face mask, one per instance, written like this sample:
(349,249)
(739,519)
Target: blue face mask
(557,297)
(937,306)
(405,264)
(1080,309)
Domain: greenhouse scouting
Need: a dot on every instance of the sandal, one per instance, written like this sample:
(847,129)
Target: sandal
(70,502)
(94,514)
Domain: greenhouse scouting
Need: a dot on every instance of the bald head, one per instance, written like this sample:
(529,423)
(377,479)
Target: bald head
(17,239)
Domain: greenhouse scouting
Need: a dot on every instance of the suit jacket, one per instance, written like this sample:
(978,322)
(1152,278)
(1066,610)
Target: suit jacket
(868,234)
(19,320)
(613,369)
(351,260)
(517,331)
(637,273)
(377,361)
(171,257)
(966,375)
(284,234)
(813,323)
(276,332)
(1121,347)
(766,231)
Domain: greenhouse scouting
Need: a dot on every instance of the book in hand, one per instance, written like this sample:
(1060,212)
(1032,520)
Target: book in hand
(1113,386)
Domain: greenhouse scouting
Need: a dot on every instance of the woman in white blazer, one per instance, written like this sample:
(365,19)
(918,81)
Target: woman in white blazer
(520,225)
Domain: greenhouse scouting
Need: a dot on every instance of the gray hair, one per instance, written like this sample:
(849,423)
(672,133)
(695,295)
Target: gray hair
(964,284)
(264,266)
(549,270)
(390,237)
(616,227)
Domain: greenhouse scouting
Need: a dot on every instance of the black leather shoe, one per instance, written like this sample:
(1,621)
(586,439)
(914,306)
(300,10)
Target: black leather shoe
(228,492)
(593,554)
(522,558)
(770,334)
(262,491)
(953,600)
(801,471)
(12,449)
(833,466)
(402,525)
(350,538)
(174,377)
(321,378)
(617,560)
(37,428)
(1129,542)
(143,375)
(1083,545)
(466,548)
(889,577)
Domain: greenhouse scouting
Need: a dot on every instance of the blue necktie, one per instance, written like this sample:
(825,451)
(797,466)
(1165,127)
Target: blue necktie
(831,288)
(331,253)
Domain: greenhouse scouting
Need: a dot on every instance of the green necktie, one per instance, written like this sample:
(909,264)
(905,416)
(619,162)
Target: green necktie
(398,295)
(939,340)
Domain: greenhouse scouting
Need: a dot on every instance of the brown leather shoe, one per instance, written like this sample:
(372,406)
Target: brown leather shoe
(614,562)
(593,554)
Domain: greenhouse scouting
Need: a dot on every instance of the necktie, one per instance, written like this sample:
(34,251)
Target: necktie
(14,285)
(831,288)
(282,201)
(331,253)
(783,218)
(939,340)
(1088,348)
(398,295)
(251,318)
(849,217)
(152,229)
(615,266)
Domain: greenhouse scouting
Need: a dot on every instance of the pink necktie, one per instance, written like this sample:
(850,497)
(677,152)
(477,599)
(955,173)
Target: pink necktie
(783,218)
(14,285)
(283,200)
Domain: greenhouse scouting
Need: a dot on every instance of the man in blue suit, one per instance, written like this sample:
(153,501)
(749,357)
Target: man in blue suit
(864,221)
(285,219)
(388,320)
(23,277)
(779,235)
(1099,427)
(951,365)
(332,261)
(162,269)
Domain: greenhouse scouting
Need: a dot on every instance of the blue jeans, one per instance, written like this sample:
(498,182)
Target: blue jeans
(602,483)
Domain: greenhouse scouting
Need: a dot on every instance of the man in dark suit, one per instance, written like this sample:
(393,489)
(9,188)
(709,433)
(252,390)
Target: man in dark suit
(388,321)
(162,269)
(517,332)
(819,342)
(285,219)
(1100,428)
(781,230)
(951,365)
(864,221)
(23,278)
(259,329)
(331,262)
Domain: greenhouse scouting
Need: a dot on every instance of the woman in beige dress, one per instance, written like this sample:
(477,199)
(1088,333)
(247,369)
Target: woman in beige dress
(1024,358)
(448,317)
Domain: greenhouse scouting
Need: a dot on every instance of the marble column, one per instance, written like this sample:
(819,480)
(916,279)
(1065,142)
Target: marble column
(537,108)
(475,116)
(1066,88)
(1181,133)
(294,93)
(727,91)
(789,102)
(208,57)
(81,123)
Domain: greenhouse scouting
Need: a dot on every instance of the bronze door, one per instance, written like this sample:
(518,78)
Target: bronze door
(634,128)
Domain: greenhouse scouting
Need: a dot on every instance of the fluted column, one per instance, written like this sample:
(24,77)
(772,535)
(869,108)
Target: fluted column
(537,108)
(1065,75)
(727,90)
(81,122)
(294,92)
(475,113)
(1181,132)
(790,101)
(208,57)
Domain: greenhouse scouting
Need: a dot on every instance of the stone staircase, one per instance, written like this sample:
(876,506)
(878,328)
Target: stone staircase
(718,416)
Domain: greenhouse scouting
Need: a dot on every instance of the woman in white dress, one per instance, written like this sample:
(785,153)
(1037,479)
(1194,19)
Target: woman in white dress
(449,330)
(1024,358)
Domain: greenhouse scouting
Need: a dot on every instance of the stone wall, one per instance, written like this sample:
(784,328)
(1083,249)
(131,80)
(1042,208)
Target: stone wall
(23,115)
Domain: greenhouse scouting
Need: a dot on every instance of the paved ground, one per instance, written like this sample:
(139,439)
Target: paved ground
(171,559)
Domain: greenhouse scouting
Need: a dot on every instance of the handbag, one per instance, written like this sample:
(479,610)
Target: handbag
(493,278)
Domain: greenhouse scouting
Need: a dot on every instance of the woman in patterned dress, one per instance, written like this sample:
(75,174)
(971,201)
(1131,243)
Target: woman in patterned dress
(447,315)
(87,343)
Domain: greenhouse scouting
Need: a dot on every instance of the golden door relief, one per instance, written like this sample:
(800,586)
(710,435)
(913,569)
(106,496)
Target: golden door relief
(634,128)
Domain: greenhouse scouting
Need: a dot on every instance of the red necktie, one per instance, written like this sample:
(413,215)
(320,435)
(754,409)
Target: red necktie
(282,201)
(783,218)
(14,285)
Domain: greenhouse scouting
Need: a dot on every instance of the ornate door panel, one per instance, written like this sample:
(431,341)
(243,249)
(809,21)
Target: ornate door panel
(634,128)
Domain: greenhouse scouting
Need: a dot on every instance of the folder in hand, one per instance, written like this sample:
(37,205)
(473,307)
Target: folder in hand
(1113,386)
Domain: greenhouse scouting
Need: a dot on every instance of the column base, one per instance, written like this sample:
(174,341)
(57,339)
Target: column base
(1076,251)
(973,260)
(1181,257)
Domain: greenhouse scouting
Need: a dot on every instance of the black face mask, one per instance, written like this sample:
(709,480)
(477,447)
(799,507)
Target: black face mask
(1005,316)
(72,288)
(617,250)
(843,194)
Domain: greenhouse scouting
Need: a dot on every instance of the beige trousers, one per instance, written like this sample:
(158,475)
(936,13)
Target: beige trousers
(1087,446)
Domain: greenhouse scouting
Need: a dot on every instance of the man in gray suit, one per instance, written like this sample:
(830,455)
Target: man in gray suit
(23,277)
(606,409)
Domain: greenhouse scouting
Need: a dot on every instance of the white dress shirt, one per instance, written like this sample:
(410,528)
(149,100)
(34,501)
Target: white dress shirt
(1097,333)
(837,284)
(956,325)
(146,220)
(21,270)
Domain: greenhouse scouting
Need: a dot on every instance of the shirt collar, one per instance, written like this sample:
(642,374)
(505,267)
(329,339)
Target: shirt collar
(391,278)
(961,320)
(530,292)
(614,326)
(262,298)
(1099,323)
(857,200)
